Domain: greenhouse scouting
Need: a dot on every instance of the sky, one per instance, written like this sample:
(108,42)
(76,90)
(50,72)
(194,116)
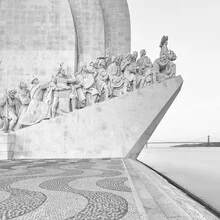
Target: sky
(194,35)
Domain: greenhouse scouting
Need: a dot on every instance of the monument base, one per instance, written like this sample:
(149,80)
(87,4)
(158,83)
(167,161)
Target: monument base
(7,144)
(117,128)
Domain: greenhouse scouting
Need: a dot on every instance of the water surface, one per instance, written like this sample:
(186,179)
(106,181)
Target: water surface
(195,169)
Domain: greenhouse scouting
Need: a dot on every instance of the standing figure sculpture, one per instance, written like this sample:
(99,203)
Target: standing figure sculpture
(163,67)
(117,84)
(102,80)
(86,79)
(129,67)
(10,109)
(64,93)
(25,99)
(50,97)
(144,73)
(37,109)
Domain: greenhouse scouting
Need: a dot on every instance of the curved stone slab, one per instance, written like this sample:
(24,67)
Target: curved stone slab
(117,26)
(89,24)
(119,127)
(32,32)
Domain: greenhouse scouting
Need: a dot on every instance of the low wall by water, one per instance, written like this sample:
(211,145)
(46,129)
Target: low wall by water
(196,169)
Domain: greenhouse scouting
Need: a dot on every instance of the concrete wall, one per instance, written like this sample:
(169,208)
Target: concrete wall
(7,146)
(117,26)
(35,37)
(116,128)
(90,28)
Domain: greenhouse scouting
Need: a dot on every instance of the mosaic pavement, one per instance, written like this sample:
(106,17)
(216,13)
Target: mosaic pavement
(65,189)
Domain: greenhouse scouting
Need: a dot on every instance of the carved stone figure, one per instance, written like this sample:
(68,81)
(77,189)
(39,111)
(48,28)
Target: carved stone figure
(3,120)
(87,81)
(101,79)
(129,66)
(163,67)
(120,58)
(10,109)
(64,93)
(24,98)
(81,98)
(37,109)
(118,86)
(144,73)
(108,77)
(50,97)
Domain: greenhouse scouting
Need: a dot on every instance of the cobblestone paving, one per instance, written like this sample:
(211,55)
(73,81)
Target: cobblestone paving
(65,189)
(116,184)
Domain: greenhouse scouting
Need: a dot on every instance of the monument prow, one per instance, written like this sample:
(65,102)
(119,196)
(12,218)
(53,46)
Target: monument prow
(117,128)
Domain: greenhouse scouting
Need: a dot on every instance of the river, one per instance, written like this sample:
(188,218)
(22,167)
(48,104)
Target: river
(195,169)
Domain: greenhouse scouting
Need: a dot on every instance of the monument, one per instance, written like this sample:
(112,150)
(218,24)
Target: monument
(70,86)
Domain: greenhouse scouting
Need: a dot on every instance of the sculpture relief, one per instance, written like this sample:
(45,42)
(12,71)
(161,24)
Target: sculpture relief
(10,109)
(117,84)
(106,77)
(163,67)
(129,67)
(37,109)
(25,99)
(87,81)
(144,73)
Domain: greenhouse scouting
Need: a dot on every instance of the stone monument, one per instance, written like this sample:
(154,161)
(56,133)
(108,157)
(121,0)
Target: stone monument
(67,106)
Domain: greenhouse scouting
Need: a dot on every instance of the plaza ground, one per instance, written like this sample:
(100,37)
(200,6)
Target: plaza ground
(93,189)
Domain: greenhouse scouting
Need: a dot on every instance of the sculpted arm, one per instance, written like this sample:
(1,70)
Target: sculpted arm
(45,85)
(124,65)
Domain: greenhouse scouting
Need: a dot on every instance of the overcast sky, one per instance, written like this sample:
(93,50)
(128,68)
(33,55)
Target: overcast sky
(194,35)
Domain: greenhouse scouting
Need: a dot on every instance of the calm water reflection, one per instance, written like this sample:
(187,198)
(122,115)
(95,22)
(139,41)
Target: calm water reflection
(196,169)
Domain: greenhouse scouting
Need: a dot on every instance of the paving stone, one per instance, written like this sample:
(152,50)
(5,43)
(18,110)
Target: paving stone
(65,189)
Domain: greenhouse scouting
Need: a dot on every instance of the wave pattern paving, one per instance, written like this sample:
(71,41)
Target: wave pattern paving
(29,189)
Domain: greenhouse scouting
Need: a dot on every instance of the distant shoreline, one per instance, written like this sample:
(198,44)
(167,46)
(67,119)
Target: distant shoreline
(211,144)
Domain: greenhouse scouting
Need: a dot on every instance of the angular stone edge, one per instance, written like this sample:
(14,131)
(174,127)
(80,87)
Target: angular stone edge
(139,145)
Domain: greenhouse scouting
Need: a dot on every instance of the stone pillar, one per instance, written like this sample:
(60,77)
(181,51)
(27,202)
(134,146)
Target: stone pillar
(7,144)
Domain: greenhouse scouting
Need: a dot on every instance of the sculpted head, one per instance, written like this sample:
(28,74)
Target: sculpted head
(143,52)
(102,63)
(35,81)
(54,80)
(121,57)
(164,41)
(128,57)
(135,55)
(94,63)
(60,69)
(163,58)
(12,93)
(83,67)
(22,85)
(61,73)
(116,60)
